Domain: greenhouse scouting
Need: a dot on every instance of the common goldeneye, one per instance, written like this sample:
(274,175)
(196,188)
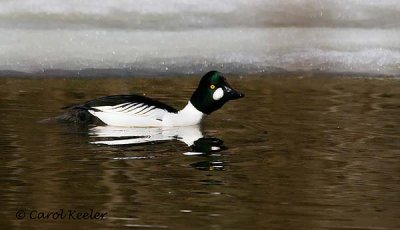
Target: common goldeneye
(139,111)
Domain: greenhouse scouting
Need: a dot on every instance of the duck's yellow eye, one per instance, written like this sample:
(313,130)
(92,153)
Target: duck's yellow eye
(212,86)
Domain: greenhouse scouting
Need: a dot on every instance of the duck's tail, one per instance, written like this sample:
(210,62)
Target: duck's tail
(76,115)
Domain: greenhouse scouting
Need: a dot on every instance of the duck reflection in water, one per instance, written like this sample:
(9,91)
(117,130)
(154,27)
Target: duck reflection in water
(192,136)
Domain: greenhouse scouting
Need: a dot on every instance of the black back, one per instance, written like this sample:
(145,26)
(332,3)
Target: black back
(120,99)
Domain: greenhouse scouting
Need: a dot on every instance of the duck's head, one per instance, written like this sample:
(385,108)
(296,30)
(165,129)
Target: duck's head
(213,92)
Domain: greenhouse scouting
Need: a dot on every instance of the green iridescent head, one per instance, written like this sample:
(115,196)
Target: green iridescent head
(213,92)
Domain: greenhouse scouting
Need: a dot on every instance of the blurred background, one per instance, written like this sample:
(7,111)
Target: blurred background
(124,37)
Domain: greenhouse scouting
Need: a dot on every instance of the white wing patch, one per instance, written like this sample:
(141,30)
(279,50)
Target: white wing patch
(133,109)
(130,114)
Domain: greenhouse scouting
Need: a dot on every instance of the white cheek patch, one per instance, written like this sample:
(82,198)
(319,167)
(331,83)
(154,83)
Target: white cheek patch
(218,94)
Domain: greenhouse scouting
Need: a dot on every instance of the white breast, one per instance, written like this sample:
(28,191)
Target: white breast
(185,117)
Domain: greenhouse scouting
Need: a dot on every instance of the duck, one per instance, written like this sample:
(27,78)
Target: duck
(133,110)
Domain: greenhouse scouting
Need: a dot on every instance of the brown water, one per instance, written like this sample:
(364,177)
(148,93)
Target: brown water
(301,153)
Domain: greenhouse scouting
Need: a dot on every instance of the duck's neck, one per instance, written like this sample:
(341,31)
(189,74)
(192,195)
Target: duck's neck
(190,112)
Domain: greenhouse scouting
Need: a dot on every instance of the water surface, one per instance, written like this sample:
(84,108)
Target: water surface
(301,153)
